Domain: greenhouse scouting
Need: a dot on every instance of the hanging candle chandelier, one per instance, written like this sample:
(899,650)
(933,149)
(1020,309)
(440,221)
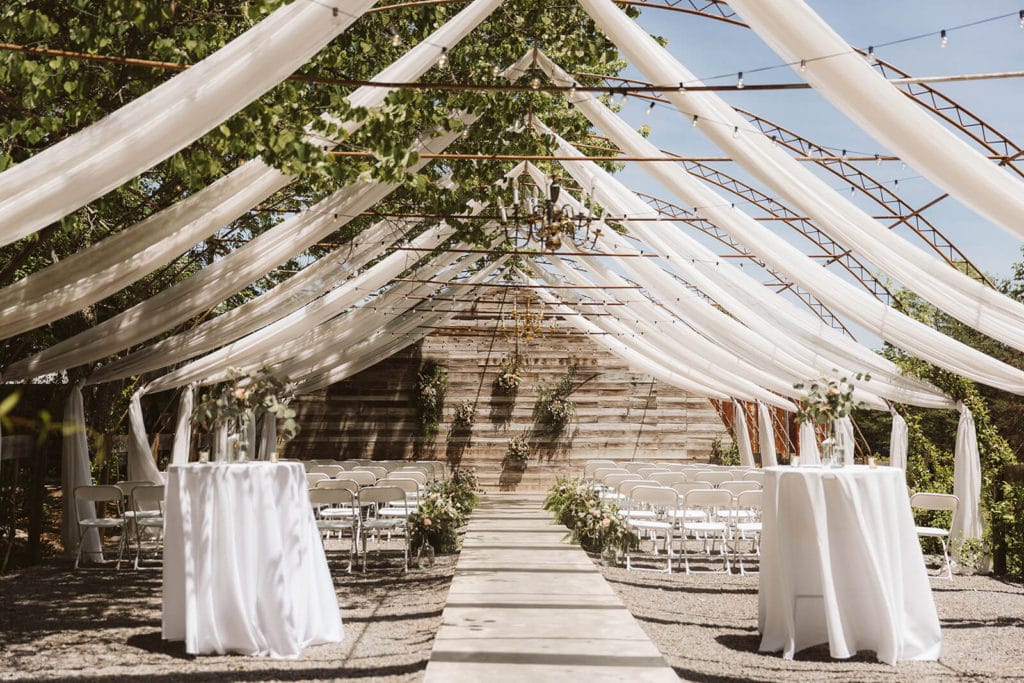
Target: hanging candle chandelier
(542,221)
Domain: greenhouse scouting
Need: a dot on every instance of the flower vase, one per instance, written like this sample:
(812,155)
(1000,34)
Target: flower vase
(609,556)
(425,556)
(828,447)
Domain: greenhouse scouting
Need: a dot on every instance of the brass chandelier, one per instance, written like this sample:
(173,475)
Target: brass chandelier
(530,219)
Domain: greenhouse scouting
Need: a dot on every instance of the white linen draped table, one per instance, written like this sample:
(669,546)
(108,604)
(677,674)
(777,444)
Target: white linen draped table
(244,568)
(841,563)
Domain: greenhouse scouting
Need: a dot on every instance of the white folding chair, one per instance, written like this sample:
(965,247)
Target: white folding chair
(669,478)
(336,509)
(647,472)
(416,474)
(712,477)
(937,502)
(106,496)
(376,470)
(412,496)
(590,466)
(708,533)
(754,475)
(361,477)
(314,478)
(647,514)
(634,467)
(746,526)
(374,499)
(148,506)
(610,485)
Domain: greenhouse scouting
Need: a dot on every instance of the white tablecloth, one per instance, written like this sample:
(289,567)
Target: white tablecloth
(841,563)
(244,567)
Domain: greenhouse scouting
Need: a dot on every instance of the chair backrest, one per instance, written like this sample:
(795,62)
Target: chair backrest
(708,498)
(100,494)
(128,486)
(590,466)
(668,478)
(634,467)
(627,485)
(329,470)
(324,461)
(750,500)
(313,478)
(378,471)
(410,486)
(343,483)
(754,475)
(675,467)
(332,496)
(381,495)
(714,478)
(738,487)
(148,498)
(613,480)
(935,501)
(416,475)
(647,496)
(684,487)
(361,477)
(601,472)
(646,472)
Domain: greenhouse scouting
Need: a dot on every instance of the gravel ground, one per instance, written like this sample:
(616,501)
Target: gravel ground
(105,626)
(706,626)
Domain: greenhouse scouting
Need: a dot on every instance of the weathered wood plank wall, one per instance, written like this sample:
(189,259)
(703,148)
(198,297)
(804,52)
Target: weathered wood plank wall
(620,414)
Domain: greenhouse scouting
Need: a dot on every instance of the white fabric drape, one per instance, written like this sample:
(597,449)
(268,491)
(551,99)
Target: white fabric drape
(739,427)
(947,288)
(800,36)
(844,425)
(183,427)
(967,523)
(102,269)
(219,280)
(75,471)
(766,436)
(899,442)
(107,266)
(141,466)
(94,161)
(809,453)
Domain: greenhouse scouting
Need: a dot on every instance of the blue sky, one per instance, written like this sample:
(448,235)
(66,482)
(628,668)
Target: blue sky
(709,49)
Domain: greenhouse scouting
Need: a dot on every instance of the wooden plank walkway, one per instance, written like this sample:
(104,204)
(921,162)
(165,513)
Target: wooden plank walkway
(525,605)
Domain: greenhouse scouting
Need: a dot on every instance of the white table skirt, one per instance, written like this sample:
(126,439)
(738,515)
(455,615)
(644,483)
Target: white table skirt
(841,563)
(244,567)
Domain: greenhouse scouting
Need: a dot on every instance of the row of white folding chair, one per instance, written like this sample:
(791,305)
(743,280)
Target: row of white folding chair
(131,507)
(339,508)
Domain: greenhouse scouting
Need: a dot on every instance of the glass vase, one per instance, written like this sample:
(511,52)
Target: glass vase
(425,556)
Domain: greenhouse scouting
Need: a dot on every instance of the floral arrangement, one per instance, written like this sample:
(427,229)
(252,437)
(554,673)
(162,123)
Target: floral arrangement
(462,487)
(597,527)
(232,402)
(509,375)
(435,522)
(431,386)
(517,452)
(465,413)
(827,399)
(554,408)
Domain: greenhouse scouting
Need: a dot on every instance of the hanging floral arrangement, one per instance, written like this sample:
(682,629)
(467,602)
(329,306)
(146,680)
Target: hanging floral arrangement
(554,409)
(431,386)
(517,452)
(509,376)
(464,416)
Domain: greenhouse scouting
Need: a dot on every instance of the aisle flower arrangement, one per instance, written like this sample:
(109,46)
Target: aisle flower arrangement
(597,526)
(442,510)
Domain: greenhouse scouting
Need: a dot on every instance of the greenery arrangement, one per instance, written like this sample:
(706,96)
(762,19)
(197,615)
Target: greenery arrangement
(431,386)
(722,454)
(442,510)
(232,403)
(827,399)
(517,452)
(596,526)
(554,408)
(509,376)
(465,413)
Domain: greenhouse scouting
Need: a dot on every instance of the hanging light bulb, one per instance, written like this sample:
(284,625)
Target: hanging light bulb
(871,54)
(495,70)
(878,160)
(535,83)
(845,156)
(943,38)
(739,81)
(572,90)
(442,61)
(735,132)
(649,109)
(803,65)
(693,124)
(396,39)
(1020,15)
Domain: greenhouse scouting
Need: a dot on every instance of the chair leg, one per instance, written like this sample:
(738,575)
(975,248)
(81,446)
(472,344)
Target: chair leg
(945,556)
(81,542)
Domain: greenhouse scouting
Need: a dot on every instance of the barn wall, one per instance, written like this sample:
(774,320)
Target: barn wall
(620,414)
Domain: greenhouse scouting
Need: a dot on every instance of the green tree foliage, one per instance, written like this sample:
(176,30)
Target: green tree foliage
(44,99)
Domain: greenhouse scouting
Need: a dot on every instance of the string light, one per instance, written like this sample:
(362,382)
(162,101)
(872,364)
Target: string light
(649,109)
(535,83)
(845,156)
(943,38)
(572,90)
(878,160)
(693,124)
(735,132)
(739,81)
(495,70)
(1021,16)
(871,54)
(442,61)
(396,39)
(803,65)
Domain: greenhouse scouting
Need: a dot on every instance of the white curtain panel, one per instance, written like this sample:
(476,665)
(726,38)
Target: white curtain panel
(75,471)
(950,290)
(899,442)
(844,425)
(103,268)
(809,453)
(141,465)
(290,295)
(766,437)
(183,427)
(967,523)
(799,35)
(739,427)
(219,280)
(900,329)
(94,161)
